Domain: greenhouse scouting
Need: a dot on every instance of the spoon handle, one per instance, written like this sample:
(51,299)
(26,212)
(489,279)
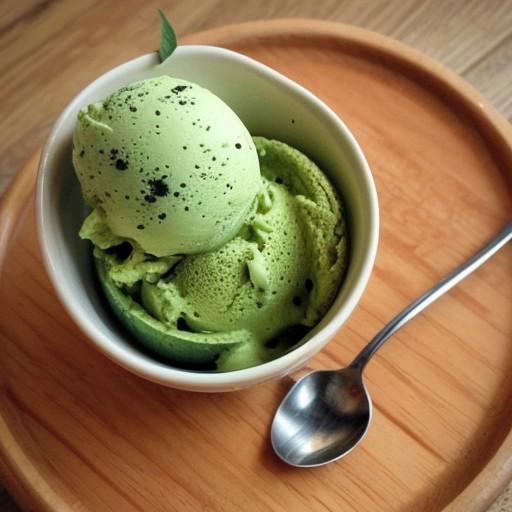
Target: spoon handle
(433,294)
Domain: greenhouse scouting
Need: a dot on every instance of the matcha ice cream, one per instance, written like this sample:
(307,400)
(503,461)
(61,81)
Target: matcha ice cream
(168,165)
(215,295)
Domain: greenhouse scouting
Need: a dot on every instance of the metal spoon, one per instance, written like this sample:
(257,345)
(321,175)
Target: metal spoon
(327,413)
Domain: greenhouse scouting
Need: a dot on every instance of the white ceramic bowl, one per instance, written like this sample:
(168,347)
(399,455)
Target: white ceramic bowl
(267,102)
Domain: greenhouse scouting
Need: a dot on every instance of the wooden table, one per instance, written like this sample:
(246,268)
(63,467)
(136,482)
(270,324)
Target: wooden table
(50,49)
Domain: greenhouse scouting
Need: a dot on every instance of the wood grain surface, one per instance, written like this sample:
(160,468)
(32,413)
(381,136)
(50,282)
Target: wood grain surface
(50,49)
(84,434)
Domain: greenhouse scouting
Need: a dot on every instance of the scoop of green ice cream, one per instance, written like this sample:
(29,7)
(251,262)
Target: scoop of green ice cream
(264,288)
(168,165)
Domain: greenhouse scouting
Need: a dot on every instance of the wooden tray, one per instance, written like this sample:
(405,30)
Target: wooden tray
(77,432)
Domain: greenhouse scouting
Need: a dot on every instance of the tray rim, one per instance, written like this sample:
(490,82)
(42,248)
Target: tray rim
(24,482)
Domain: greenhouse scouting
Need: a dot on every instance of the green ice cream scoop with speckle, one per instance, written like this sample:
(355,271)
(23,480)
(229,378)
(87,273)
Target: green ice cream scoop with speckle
(250,300)
(216,250)
(167,165)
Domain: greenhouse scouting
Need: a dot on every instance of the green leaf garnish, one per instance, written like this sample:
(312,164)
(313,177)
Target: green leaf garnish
(168,41)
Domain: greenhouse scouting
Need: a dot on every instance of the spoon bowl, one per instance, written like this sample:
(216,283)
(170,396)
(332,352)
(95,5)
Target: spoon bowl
(322,418)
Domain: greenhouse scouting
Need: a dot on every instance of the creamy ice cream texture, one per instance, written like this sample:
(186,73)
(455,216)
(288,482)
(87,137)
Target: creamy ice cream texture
(168,164)
(240,291)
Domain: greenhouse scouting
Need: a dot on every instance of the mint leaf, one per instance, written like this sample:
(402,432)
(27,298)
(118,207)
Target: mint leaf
(168,41)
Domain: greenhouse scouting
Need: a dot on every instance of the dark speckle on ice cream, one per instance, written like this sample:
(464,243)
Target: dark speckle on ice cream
(178,89)
(159,187)
(121,164)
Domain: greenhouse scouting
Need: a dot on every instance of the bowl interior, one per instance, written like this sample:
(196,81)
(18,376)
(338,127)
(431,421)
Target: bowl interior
(269,105)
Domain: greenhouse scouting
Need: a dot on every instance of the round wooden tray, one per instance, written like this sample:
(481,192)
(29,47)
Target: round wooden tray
(77,432)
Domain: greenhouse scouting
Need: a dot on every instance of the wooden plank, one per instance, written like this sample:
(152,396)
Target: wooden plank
(457,33)
(492,77)
(12,12)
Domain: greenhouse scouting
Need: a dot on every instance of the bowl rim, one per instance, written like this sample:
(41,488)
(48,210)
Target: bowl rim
(154,370)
